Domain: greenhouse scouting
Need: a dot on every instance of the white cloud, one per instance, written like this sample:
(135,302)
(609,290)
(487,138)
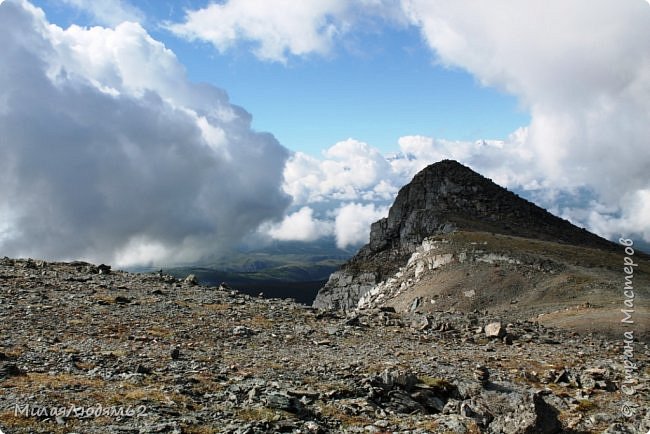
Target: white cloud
(582,69)
(631,218)
(278,29)
(349,168)
(353,220)
(348,222)
(299,226)
(111,155)
(352,170)
(108,12)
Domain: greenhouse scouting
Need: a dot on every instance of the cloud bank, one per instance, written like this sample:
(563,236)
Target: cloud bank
(111,155)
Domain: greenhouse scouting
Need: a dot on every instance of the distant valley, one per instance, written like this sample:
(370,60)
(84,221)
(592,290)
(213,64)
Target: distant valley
(279,270)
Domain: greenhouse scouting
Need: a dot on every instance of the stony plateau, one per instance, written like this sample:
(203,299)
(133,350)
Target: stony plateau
(191,359)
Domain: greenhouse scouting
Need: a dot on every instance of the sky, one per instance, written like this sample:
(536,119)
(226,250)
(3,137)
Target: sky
(163,132)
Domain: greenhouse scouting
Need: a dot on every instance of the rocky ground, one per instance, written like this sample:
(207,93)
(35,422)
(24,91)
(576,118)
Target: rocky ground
(86,349)
(556,284)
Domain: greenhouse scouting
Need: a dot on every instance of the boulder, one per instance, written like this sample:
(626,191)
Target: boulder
(191,280)
(495,330)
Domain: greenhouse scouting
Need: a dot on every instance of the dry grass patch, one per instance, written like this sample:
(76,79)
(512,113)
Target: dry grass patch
(260,321)
(216,307)
(142,395)
(160,332)
(33,381)
(434,425)
(262,413)
(436,383)
(585,405)
(115,329)
(346,420)
(104,299)
(85,365)
(193,429)
(12,352)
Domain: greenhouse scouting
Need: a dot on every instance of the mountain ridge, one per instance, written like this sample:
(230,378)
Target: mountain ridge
(447,195)
(452,232)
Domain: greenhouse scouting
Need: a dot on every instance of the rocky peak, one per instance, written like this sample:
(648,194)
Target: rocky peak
(447,196)
(444,197)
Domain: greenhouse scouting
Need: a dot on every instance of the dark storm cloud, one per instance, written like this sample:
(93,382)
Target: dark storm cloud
(110,171)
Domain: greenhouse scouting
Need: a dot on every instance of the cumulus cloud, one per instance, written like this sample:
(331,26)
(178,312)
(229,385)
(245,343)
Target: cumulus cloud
(277,29)
(353,220)
(108,12)
(351,186)
(348,170)
(299,226)
(348,222)
(111,155)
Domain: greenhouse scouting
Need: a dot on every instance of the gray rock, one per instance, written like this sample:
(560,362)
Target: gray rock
(400,401)
(466,389)
(427,398)
(619,428)
(281,401)
(344,289)
(455,423)
(495,330)
(522,413)
(392,378)
(242,331)
(10,370)
(477,411)
(120,299)
(481,374)
(191,280)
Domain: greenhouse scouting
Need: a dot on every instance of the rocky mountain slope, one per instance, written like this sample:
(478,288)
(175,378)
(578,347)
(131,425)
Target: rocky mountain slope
(455,240)
(86,349)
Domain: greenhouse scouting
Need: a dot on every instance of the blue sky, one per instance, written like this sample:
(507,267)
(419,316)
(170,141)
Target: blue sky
(391,90)
(378,86)
(121,146)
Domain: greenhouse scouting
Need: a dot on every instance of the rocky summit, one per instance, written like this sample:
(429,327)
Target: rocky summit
(455,240)
(87,349)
